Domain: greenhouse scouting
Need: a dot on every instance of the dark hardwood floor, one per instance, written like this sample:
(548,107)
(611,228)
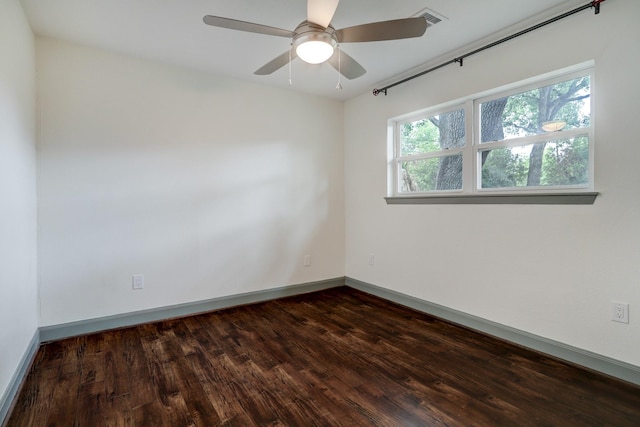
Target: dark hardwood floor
(332,358)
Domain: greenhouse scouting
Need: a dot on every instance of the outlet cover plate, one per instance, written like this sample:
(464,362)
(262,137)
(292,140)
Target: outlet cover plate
(620,312)
(137,281)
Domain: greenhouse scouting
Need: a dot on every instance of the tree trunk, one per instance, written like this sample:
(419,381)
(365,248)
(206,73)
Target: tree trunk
(450,173)
(491,122)
(537,151)
(452,132)
(535,165)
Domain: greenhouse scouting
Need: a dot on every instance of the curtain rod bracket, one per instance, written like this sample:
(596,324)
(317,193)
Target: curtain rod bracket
(460,60)
(377,92)
(596,5)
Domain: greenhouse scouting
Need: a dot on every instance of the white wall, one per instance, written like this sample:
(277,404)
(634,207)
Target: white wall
(208,186)
(547,270)
(18,281)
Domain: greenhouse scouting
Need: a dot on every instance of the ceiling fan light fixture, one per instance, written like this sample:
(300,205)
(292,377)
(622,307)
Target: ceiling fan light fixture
(314,51)
(554,125)
(314,45)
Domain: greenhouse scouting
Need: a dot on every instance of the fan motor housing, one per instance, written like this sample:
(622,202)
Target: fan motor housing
(308,31)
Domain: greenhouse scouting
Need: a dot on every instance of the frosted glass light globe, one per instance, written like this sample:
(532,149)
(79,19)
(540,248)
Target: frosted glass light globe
(314,51)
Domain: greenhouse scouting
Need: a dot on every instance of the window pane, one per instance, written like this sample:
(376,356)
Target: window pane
(436,173)
(563,105)
(435,133)
(553,163)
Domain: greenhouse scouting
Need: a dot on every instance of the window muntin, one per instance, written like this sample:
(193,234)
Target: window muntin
(509,146)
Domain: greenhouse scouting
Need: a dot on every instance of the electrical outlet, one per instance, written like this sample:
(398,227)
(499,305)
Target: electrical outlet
(307,260)
(372,259)
(137,281)
(620,312)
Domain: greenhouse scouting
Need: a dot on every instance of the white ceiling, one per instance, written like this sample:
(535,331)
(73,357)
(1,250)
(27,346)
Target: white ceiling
(172,31)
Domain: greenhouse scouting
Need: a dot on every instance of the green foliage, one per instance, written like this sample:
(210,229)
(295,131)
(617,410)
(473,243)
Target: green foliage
(435,173)
(520,117)
(420,175)
(421,136)
(566,162)
(504,168)
(525,112)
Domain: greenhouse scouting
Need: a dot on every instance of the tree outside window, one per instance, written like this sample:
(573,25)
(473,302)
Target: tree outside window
(527,139)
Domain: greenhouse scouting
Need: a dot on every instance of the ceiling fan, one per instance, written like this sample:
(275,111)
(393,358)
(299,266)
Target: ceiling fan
(315,40)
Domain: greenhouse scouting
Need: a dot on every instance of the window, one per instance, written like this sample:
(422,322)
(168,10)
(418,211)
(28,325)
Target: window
(531,138)
(430,152)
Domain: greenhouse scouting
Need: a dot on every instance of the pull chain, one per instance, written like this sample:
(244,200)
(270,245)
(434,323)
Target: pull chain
(339,85)
(290,59)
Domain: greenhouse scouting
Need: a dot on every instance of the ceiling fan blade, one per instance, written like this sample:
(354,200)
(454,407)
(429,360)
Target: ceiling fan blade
(234,24)
(321,12)
(276,63)
(386,30)
(348,67)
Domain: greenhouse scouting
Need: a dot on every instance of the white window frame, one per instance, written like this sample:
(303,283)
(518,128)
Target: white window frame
(443,109)
(471,191)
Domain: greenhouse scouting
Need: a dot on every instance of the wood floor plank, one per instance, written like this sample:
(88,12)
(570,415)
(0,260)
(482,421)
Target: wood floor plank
(170,402)
(34,404)
(66,389)
(91,404)
(93,368)
(118,412)
(337,357)
(116,384)
(199,407)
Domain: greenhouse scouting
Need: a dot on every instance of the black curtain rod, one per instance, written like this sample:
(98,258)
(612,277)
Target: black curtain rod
(595,4)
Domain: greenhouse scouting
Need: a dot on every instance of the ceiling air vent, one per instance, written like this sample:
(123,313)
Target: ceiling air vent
(431,16)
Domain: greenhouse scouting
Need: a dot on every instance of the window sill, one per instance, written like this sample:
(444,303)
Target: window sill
(497,199)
